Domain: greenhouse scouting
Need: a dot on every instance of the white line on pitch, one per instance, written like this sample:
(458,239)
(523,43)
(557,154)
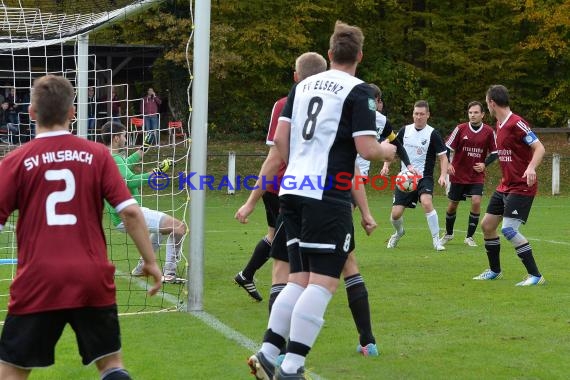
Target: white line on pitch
(532,239)
(214,323)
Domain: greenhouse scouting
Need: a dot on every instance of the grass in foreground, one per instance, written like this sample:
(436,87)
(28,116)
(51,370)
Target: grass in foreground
(431,320)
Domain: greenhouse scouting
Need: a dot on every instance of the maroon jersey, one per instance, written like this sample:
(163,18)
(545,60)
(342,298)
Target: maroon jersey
(470,147)
(275,113)
(57,182)
(514,138)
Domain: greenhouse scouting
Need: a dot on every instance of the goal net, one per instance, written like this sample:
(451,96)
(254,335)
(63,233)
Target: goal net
(55,40)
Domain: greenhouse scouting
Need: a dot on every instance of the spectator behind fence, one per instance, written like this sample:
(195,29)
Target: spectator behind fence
(150,105)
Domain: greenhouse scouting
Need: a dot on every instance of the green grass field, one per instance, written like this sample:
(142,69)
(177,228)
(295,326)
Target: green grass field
(430,319)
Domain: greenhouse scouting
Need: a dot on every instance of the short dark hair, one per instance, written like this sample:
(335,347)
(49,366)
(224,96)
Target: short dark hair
(345,43)
(422,104)
(52,98)
(376,90)
(476,103)
(499,94)
(110,129)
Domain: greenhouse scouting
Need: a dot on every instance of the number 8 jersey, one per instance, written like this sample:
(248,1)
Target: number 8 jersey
(326,112)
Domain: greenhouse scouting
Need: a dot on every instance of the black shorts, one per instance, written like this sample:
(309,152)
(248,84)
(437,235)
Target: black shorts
(271,203)
(410,200)
(514,206)
(279,245)
(320,234)
(460,191)
(28,341)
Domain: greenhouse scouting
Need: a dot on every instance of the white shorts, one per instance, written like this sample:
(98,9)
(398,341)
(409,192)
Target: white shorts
(363,165)
(151,217)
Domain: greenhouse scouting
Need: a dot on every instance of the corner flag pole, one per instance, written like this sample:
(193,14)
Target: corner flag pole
(199,153)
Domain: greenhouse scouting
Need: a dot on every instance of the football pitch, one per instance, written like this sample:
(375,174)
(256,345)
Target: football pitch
(430,319)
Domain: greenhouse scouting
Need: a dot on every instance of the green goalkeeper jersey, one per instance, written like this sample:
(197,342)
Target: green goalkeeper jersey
(134,180)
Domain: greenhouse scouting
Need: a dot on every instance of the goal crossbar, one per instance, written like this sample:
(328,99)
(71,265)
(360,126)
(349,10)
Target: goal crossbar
(29,27)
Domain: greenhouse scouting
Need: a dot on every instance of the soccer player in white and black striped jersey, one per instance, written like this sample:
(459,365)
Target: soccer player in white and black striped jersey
(423,144)
(328,118)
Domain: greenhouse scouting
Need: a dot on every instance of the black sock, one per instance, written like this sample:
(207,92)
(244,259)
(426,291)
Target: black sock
(525,253)
(360,308)
(449,223)
(493,248)
(259,257)
(115,374)
(472,224)
(273,293)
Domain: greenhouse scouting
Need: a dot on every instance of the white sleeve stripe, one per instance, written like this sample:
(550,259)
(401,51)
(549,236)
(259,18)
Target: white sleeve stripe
(452,137)
(121,206)
(440,153)
(270,143)
(364,133)
(284,118)
(523,126)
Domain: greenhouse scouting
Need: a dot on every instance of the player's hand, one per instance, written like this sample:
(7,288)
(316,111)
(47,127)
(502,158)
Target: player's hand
(152,269)
(164,165)
(243,212)
(450,169)
(368,223)
(385,169)
(442,182)
(413,170)
(479,167)
(149,140)
(530,176)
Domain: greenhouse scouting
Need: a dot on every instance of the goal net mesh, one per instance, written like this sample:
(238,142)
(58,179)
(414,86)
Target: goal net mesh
(43,37)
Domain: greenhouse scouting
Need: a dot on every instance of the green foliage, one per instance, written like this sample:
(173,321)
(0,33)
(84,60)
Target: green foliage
(447,52)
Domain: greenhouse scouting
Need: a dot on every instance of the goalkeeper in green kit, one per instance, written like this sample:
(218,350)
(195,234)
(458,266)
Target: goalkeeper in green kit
(114,136)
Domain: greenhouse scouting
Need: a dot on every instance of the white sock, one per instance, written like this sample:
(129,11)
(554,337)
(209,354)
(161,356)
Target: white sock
(155,240)
(172,252)
(306,323)
(433,223)
(398,225)
(280,317)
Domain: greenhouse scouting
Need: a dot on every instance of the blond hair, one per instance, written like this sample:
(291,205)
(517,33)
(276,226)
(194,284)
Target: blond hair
(310,64)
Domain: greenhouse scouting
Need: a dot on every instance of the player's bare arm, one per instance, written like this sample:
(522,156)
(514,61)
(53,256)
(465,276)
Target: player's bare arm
(135,225)
(372,150)
(444,164)
(537,155)
(269,170)
(281,139)
(359,196)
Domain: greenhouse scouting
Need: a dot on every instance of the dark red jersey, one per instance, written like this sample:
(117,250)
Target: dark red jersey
(275,113)
(514,138)
(57,182)
(470,147)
